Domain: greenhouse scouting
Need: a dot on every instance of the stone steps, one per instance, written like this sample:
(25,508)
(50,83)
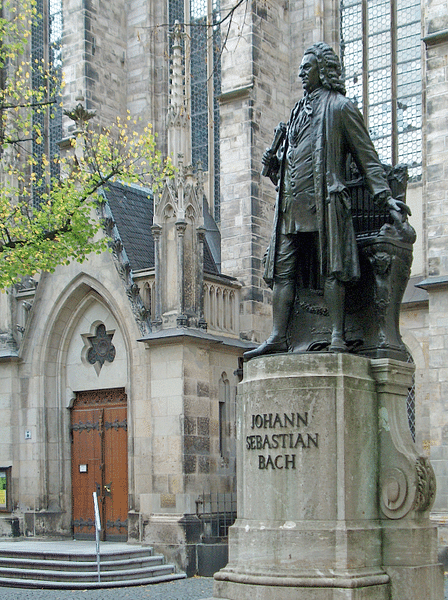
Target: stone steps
(81,565)
(63,567)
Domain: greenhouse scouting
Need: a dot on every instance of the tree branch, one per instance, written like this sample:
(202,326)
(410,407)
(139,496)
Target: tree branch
(229,15)
(26,105)
(53,233)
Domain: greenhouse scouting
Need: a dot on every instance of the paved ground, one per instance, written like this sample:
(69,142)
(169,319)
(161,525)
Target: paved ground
(195,588)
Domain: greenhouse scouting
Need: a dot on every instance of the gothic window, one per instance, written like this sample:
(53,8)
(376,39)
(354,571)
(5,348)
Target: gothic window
(147,298)
(410,400)
(200,18)
(46,47)
(381,56)
(410,408)
(223,408)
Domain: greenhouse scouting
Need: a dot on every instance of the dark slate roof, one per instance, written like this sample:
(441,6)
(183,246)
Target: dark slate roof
(212,234)
(209,263)
(132,211)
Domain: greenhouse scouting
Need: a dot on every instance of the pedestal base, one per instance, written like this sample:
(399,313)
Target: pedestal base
(302,589)
(310,525)
(287,561)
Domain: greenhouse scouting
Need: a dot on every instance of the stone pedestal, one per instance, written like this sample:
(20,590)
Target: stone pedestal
(310,523)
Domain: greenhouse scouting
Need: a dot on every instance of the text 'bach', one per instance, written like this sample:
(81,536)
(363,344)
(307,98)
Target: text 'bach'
(281,440)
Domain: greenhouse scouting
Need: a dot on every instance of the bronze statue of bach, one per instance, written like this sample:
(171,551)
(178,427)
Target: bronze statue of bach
(313,235)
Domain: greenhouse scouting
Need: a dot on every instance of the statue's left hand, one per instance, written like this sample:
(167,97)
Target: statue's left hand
(400,207)
(400,227)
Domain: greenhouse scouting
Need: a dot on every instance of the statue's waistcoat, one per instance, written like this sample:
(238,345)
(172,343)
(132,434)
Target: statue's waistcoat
(337,129)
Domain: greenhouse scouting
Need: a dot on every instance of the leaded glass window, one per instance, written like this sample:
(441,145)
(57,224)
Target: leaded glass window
(55,63)
(46,44)
(410,401)
(176,11)
(205,84)
(381,56)
(198,85)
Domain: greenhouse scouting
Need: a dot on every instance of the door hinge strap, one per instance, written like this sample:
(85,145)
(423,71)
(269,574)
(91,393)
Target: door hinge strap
(82,523)
(117,424)
(117,524)
(88,426)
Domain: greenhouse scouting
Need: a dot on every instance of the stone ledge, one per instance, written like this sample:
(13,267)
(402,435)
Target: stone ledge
(438,37)
(433,283)
(236,93)
(414,295)
(6,356)
(180,335)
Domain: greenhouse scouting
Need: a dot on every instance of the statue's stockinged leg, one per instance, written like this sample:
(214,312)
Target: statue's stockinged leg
(282,303)
(334,294)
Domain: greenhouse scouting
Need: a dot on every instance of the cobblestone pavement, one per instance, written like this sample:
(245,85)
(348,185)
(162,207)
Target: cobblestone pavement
(195,588)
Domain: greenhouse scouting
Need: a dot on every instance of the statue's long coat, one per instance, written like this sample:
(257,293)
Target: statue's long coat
(337,129)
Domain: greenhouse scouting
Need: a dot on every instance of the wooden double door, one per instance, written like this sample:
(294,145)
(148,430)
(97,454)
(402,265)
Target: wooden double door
(100,463)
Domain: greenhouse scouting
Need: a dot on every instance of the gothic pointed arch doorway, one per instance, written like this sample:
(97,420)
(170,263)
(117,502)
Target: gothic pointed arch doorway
(100,463)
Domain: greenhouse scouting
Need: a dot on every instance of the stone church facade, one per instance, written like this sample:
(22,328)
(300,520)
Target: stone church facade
(120,374)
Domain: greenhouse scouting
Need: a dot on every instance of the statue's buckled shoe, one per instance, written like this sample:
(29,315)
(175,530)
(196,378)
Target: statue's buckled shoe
(266,347)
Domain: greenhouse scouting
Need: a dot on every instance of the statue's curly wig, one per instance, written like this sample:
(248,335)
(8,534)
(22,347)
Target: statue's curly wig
(329,65)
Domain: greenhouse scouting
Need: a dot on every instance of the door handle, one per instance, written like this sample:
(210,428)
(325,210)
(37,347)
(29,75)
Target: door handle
(108,489)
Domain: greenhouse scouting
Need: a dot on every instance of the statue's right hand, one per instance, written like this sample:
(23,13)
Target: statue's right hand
(270,164)
(265,257)
(267,157)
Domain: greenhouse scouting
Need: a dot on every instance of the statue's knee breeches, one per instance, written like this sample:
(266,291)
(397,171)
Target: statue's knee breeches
(286,258)
(296,258)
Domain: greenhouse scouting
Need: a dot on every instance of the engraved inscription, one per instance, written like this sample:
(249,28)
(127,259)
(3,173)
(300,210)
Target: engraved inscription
(281,440)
